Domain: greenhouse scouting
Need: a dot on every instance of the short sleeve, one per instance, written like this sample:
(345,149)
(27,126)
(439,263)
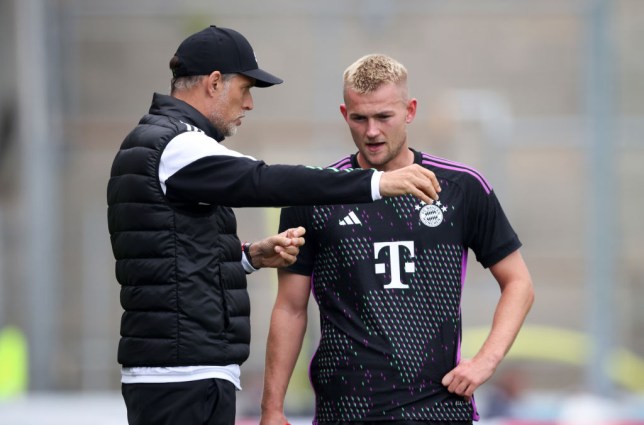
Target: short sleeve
(294,217)
(489,233)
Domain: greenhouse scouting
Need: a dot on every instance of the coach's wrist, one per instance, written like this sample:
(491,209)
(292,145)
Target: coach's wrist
(249,251)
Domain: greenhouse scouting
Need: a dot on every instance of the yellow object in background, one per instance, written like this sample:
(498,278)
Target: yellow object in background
(13,362)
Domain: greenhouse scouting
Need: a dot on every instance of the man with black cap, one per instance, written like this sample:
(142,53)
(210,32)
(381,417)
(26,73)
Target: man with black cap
(185,330)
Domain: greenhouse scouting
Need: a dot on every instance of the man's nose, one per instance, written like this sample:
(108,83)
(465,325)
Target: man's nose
(372,129)
(248,102)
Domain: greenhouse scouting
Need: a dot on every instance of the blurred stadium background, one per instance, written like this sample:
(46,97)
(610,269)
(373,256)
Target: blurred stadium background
(545,97)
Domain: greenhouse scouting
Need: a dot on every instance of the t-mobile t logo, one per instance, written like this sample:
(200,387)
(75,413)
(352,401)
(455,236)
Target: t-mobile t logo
(394,262)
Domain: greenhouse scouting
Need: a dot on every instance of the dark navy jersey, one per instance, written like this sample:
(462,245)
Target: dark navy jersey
(388,278)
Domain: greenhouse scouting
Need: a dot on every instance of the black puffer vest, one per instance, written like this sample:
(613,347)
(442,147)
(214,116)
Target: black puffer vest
(183,287)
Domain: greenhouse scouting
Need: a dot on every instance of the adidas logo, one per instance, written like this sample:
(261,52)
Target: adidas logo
(350,219)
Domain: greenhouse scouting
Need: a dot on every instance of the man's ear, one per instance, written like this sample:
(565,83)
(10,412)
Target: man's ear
(411,110)
(343,110)
(214,82)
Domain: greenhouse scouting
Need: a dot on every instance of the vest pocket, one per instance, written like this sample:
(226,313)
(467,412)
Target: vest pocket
(224,301)
(236,303)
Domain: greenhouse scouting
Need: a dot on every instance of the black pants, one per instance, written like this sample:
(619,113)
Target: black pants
(203,402)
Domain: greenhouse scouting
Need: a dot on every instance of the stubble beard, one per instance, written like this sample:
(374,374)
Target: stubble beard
(227,129)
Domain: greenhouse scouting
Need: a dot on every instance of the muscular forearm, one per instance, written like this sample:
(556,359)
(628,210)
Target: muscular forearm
(515,302)
(283,347)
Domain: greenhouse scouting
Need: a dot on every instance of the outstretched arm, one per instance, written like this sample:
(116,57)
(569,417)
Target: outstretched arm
(194,168)
(517,296)
(288,325)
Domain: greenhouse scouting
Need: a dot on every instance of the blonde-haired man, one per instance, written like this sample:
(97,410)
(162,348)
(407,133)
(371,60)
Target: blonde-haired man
(388,277)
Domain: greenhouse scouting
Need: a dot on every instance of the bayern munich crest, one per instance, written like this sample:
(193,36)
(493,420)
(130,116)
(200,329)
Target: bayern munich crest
(431,215)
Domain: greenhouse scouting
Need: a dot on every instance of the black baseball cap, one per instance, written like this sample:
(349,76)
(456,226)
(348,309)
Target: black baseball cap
(220,49)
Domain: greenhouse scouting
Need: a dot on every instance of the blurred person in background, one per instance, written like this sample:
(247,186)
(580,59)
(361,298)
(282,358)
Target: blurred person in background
(503,393)
(185,330)
(388,278)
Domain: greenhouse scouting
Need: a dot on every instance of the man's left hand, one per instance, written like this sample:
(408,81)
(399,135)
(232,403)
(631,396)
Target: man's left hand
(467,377)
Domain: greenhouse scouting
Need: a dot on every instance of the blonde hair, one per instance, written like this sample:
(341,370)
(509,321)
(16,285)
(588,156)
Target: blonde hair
(370,72)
